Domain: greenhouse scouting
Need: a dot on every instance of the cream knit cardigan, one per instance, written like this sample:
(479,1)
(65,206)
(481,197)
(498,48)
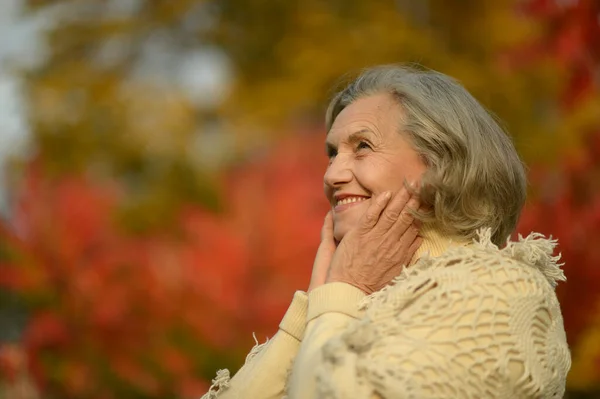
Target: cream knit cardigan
(466,320)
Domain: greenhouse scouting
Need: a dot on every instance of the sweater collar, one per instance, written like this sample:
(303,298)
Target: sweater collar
(436,243)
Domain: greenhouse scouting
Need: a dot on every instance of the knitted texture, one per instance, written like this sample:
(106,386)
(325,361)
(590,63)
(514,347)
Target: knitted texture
(476,322)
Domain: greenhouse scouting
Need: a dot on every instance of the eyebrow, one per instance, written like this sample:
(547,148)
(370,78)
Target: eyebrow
(352,138)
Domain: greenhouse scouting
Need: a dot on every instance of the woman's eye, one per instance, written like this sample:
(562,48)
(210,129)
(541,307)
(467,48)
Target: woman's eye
(363,145)
(331,153)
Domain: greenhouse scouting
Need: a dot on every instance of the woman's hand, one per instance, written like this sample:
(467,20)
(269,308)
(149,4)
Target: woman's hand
(375,252)
(324,254)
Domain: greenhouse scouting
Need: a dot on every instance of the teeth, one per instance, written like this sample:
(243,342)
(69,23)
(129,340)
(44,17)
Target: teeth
(350,200)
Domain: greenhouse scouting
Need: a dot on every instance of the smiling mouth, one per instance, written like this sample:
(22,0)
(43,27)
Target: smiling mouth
(350,200)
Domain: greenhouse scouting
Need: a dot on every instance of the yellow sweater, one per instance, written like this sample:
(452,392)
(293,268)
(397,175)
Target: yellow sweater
(466,320)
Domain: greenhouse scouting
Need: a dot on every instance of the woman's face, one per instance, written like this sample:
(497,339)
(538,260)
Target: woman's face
(367,156)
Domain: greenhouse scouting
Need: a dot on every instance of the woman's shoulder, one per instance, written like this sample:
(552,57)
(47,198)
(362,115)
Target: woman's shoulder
(523,263)
(529,258)
(524,267)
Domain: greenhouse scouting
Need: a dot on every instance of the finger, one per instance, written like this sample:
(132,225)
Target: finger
(393,209)
(406,218)
(418,223)
(411,233)
(371,216)
(416,244)
(414,247)
(327,229)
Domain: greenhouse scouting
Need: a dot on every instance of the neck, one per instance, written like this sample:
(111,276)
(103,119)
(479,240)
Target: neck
(436,242)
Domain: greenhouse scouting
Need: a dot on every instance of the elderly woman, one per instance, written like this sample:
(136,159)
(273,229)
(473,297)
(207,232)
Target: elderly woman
(411,295)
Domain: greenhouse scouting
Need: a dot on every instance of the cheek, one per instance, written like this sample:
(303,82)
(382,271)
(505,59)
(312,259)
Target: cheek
(378,177)
(327,190)
(383,175)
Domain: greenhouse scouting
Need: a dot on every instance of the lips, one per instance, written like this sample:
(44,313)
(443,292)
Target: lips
(344,201)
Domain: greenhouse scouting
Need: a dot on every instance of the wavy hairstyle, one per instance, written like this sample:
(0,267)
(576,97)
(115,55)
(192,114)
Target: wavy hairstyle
(474,176)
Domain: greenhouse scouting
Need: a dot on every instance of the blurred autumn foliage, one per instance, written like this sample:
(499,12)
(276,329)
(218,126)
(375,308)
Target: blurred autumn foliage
(155,228)
(566,198)
(122,315)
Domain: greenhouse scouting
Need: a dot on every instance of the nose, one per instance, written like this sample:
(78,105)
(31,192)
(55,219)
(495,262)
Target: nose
(338,173)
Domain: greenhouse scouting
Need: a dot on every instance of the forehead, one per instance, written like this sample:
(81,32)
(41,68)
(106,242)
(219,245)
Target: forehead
(375,113)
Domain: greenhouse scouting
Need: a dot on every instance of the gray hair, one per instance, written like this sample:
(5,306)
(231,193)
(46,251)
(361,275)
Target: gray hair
(474,176)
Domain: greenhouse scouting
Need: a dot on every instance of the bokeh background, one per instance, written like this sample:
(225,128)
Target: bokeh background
(162,160)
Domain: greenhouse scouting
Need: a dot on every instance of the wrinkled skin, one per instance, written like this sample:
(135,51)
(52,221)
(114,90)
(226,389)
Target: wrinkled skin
(366,243)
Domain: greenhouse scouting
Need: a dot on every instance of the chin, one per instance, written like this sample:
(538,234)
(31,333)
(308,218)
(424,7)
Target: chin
(344,223)
(339,233)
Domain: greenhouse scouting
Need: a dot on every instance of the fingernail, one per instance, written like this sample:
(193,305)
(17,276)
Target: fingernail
(387,195)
